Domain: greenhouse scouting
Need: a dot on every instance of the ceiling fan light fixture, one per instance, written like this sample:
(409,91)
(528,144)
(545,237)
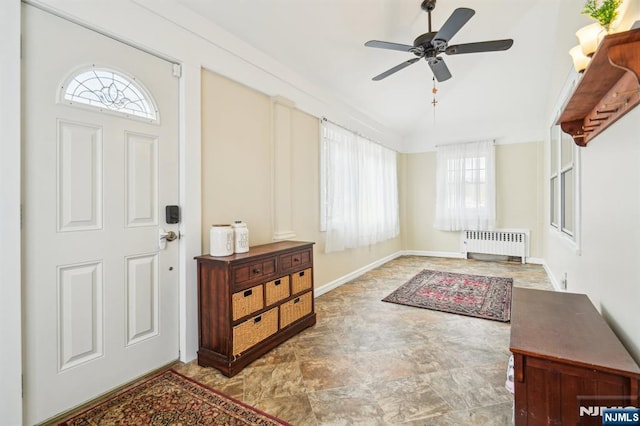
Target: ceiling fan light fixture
(580,61)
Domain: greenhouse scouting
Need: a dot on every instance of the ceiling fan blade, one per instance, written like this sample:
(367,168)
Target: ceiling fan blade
(458,18)
(395,69)
(439,69)
(482,46)
(388,45)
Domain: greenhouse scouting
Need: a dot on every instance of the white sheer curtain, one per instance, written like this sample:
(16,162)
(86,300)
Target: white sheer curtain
(359,190)
(466,186)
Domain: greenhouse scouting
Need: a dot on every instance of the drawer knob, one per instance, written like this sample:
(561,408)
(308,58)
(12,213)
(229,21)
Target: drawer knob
(296,300)
(248,293)
(257,319)
(256,271)
(277,282)
(295,259)
(301,274)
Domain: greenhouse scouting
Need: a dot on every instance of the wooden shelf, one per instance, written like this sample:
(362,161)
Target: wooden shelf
(609,88)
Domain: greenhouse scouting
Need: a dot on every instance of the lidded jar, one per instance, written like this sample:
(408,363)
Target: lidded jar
(221,240)
(241,237)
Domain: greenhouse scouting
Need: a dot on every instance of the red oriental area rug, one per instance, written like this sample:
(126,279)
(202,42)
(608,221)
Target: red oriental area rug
(473,295)
(170,398)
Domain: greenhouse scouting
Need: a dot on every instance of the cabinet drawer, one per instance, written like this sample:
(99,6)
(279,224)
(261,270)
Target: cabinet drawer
(295,309)
(246,301)
(294,260)
(301,281)
(254,271)
(254,330)
(276,290)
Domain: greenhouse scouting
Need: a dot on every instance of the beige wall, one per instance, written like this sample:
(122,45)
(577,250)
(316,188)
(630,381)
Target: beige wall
(236,124)
(518,193)
(237,168)
(519,190)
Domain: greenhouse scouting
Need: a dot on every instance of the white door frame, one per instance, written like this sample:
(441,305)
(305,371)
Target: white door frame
(10,288)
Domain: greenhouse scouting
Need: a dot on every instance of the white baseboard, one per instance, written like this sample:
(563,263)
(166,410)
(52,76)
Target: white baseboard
(319,291)
(552,278)
(450,254)
(535,260)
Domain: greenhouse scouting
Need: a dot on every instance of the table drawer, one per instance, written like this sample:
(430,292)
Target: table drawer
(295,309)
(249,272)
(276,290)
(301,281)
(246,302)
(294,260)
(254,330)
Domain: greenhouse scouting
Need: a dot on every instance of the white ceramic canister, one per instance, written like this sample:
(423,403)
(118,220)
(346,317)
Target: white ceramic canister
(221,240)
(241,237)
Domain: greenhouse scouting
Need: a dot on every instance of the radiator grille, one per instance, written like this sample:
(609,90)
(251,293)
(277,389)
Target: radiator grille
(506,243)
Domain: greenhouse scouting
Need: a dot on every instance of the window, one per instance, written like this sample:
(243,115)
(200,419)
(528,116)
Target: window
(563,194)
(359,190)
(465,178)
(111,91)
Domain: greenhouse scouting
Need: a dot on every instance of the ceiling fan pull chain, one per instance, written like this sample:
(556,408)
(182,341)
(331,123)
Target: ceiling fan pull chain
(434,101)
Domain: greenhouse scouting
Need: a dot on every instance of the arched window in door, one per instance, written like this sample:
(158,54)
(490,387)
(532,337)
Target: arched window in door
(109,91)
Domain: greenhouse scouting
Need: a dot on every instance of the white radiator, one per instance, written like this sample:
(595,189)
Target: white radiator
(502,242)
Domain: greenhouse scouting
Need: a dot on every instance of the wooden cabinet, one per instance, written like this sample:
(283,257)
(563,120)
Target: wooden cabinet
(566,357)
(251,302)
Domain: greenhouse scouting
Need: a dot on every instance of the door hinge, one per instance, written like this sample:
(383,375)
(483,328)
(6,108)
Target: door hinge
(177,70)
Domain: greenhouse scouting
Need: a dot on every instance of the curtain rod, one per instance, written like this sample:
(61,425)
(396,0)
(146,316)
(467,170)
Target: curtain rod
(345,128)
(356,133)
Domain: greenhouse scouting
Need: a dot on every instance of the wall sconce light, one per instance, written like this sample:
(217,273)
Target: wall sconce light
(580,61)
(590,36)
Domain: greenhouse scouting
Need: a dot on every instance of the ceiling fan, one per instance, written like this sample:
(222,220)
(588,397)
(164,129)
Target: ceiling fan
(431,44)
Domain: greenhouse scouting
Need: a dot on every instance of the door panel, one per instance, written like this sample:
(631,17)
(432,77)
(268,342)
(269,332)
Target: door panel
(100,297)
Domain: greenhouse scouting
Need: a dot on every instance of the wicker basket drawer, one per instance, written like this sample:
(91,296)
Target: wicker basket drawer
(276,290)
(301,281)
(295,309)
(245,302)
(254,330)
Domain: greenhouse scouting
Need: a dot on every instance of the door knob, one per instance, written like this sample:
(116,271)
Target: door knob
(169,235)
(165,236)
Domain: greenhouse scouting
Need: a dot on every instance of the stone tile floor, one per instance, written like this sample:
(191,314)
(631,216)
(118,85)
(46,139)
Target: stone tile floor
(368,362)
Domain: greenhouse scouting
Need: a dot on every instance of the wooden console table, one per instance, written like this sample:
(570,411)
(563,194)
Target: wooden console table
(251,302)
(566,356)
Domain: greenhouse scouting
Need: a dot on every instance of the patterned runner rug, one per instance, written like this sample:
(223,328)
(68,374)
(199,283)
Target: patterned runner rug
(170,398)
(473,295)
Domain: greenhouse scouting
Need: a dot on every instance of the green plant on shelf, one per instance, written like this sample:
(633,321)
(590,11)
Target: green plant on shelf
(605,11)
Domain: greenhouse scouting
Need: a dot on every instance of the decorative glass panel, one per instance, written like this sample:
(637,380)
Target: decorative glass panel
(107,89)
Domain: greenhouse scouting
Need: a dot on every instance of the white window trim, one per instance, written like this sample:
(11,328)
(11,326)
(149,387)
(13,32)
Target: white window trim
(571,239)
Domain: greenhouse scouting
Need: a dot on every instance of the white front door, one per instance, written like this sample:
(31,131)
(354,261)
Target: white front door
(100,294)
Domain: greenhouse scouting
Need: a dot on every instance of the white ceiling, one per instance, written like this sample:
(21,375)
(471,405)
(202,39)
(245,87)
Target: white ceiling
(498,95)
